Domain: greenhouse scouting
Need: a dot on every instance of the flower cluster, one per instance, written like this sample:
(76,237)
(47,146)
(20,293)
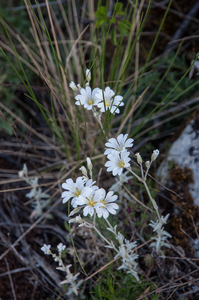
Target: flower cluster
(117,154)
(85,194)
(103,99)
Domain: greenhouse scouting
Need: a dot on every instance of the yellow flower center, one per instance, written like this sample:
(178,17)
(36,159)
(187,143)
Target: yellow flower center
(90,101)
(121,164)
(91,202)
(107,102)
(103,202)
(120,148)
(77,192)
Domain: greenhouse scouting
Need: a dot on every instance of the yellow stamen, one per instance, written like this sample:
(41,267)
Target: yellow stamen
(91,202)
(121,164)
(77,192)
(107,102)
(120,148)
(90,101)
(103,202)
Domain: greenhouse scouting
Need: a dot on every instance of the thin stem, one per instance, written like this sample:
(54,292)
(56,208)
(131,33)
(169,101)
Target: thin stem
(152,200)
(138,177)
(109,224)
(102,237)
(97,115)
(148,192)
(142,171)
(147,171)
(87,224)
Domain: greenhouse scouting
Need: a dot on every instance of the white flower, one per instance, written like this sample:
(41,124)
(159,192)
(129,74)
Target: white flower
(90,183)
(123,178)
(117,162)
(46,249)
(119,144)
(73,86)
(155,154)
(106,205)
(108,102)
(87,98)
(92,201)
(61,247)
(75,189)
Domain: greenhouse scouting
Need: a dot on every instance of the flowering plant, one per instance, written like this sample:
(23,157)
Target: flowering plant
(88,199)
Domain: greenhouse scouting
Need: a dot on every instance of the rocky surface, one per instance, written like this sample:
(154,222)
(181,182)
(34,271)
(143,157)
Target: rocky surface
(185,153)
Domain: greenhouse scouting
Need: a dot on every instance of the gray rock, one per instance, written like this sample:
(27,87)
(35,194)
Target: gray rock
(185,153)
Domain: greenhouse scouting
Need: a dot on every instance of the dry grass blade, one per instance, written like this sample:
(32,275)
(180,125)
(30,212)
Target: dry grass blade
(72,38)
(71,107)
(138,201)
(9,49)
(42,137)
(133,108)
(166,121)
(30,228)
(74,46)
(11,282)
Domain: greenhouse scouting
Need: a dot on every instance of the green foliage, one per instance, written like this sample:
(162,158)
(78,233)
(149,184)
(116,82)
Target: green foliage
(117,21)
(114,285)
(17,18)
(168,84)
(9,84)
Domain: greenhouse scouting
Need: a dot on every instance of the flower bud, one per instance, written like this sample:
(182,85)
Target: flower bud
(78,219)
(155,154)
(139,158)
(74,211)
(79,87)
(88,75)
(147,164)
(87,84)
(89,164)
(73,86)
(83,170)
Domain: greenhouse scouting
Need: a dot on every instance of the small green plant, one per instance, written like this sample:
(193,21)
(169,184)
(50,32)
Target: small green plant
(117,19)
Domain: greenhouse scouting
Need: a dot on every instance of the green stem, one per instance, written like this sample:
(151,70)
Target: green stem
(152,200)
(109,224)
(143,180)
(102,237)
